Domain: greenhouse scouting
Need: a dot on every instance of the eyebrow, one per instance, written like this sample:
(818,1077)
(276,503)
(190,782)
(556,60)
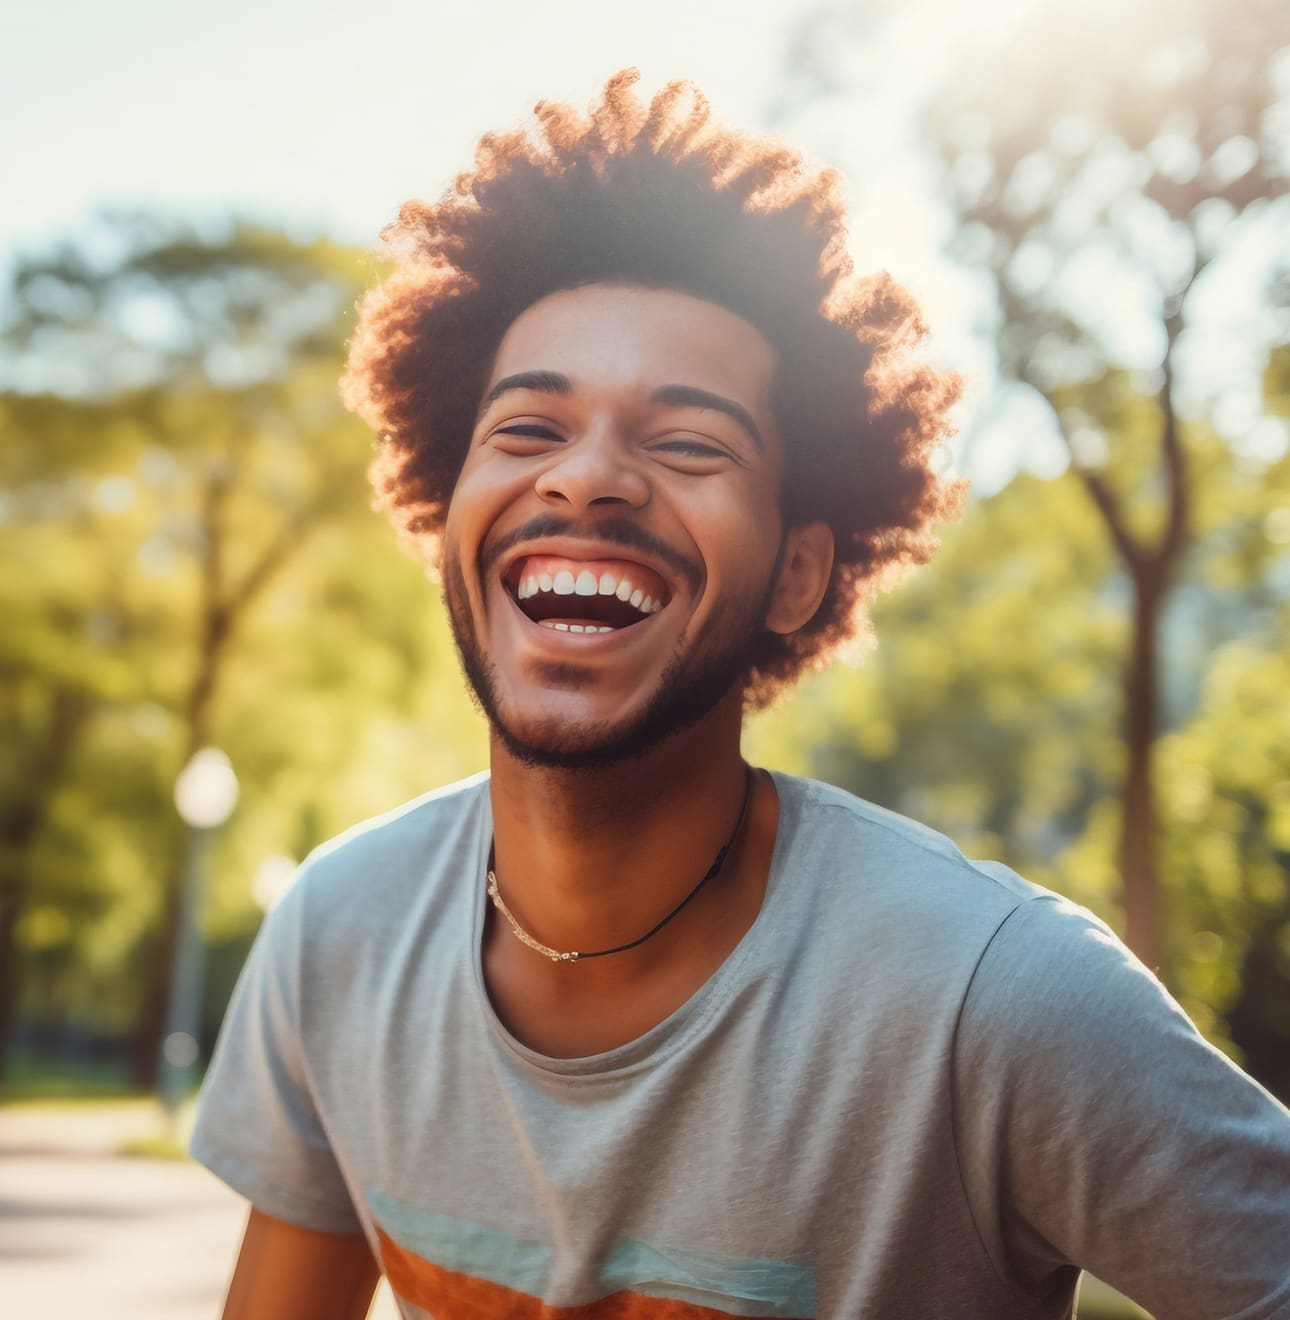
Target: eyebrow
(543,382)
(680,396)
(690,396)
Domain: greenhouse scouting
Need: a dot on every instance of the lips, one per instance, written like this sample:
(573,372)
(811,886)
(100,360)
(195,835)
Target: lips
(575,595)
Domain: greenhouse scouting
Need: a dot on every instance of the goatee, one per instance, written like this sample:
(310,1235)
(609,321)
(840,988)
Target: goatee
(692,683)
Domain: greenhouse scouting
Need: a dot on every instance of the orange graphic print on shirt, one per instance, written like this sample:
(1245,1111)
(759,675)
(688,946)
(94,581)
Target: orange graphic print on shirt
(451,1269)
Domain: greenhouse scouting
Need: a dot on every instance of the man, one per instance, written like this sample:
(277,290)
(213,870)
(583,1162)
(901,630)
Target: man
(627,1028)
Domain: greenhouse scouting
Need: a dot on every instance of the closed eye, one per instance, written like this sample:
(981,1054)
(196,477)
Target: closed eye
(694,455)
(691,447)
(527,428)
(528,437)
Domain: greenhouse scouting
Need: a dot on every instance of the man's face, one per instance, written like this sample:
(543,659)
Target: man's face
(611,540)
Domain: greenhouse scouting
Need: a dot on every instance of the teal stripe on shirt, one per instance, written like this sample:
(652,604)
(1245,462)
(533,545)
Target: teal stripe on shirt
(745,1286)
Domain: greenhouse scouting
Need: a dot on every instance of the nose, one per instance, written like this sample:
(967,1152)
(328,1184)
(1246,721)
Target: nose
(594,469)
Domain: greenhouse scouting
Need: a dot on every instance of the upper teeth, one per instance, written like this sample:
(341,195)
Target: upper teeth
(587,584)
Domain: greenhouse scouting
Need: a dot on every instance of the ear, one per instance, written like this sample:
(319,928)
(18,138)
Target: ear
(805,563)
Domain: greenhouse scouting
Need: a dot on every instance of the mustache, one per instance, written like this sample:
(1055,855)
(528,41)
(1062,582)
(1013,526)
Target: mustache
(614,528)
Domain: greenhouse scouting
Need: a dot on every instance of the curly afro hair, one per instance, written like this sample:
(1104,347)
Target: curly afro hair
(660,197)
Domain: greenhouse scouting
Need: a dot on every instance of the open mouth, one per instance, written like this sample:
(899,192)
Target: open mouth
(598,596)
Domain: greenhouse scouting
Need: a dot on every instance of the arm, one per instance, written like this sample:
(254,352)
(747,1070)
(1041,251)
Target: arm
(289,1273)
(259,1129)
(1096,1128)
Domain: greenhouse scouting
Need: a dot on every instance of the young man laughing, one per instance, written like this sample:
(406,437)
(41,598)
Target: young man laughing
(627,1027)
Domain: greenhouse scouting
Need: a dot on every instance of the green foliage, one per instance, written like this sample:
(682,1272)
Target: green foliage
(191,556)
(139,519)
(32,1079)
(1110,198)
(982,709)
(991,710)
(1226,778)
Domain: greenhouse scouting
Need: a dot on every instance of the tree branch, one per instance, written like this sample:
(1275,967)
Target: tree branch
(1130,551)
(1178,520)
(275,554)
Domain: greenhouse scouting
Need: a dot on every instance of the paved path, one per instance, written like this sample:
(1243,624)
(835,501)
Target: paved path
(87,1233)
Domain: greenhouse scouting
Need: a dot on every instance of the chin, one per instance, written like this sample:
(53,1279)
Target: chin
(679,703)
(690,688)
(560,745)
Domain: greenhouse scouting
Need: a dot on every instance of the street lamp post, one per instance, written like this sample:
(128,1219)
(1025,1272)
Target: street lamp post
(205,794)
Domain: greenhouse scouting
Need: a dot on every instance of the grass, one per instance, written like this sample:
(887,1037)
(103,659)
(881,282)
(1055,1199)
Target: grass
(67,1087)
(30,1077)
(160,1146)
(1099,1302)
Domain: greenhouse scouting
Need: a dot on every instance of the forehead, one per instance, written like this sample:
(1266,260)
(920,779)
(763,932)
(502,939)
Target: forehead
(616,337)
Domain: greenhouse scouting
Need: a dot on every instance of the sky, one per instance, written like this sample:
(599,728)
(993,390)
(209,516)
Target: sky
(324,118)
(322,113)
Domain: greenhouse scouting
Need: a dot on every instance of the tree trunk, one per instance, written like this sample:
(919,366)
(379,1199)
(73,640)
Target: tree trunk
(146,1047)
(1151,569)
(20,828)
(1138,826)
(22,825)
(222,606)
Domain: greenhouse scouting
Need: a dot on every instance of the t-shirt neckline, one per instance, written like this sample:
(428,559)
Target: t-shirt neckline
(674,1032)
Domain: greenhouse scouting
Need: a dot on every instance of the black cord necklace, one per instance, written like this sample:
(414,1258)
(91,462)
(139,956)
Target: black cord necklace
(556,956)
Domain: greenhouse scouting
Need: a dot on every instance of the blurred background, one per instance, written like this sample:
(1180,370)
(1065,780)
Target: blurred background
(213,656)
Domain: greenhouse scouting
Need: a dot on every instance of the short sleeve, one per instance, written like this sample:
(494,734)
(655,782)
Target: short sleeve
(1096,1128)
(258,1126)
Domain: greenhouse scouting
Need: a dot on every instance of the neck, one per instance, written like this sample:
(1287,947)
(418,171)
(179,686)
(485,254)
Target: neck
(592,859)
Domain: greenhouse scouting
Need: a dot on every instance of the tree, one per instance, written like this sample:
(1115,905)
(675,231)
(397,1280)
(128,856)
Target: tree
(176,458)
(1100,173)
(987,710)
(1002,746)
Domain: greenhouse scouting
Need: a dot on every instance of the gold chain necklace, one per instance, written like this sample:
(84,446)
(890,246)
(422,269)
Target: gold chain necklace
(572,957)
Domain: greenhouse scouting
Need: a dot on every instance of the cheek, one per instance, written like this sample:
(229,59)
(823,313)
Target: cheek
(744,533)
(479,496)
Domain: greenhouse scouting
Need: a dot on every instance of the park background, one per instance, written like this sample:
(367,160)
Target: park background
(1089,682)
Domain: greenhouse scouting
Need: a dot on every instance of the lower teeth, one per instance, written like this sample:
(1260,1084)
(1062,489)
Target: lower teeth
(575,627)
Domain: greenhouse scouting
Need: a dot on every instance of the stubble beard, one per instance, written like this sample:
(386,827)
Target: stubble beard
(692,683)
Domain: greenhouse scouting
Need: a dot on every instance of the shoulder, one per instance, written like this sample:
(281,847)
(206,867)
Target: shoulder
(391,855)
(892,912)
(361,903)
(1060,1010)
(1058,975)
(903,865)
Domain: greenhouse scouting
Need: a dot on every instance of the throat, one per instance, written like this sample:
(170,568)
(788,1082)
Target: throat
(574,1011)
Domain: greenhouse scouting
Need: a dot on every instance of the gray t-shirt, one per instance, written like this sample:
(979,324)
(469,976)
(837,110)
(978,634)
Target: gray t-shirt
(919,1087)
